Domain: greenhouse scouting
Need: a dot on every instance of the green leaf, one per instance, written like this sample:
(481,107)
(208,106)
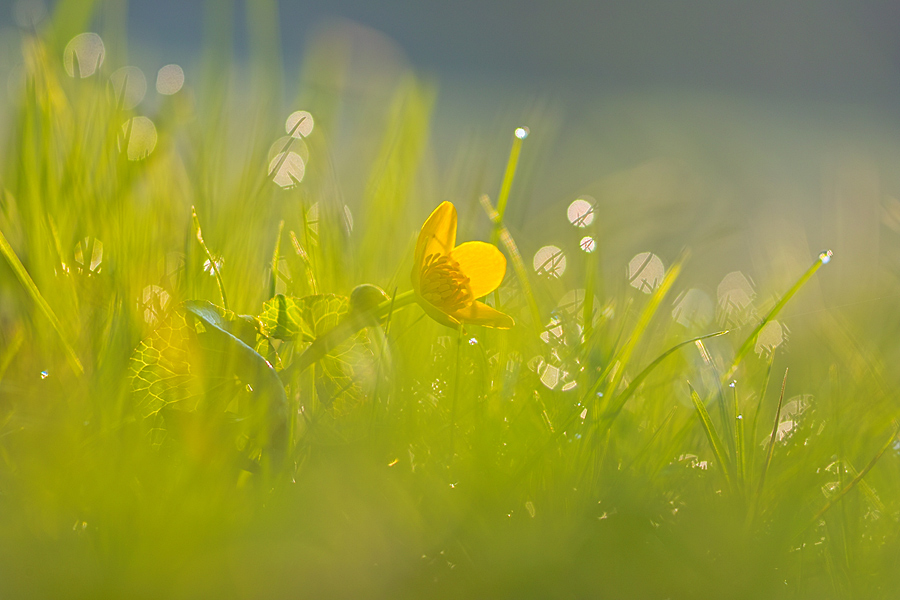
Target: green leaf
(197,362)
(345,376)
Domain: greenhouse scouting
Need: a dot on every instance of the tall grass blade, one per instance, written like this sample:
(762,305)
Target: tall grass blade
(822,259)
(617,365)
(770,449)
(213,265)
(28,283)
(709,429)
(618,403)
(518,136)
(515,257)
(858,478)
(276,257)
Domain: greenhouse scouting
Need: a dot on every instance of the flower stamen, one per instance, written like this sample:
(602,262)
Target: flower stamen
(443,283)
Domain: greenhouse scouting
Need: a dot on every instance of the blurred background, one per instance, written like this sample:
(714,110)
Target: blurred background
(754,134)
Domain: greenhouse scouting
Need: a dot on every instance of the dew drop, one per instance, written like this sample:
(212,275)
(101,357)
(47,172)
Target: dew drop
(522,132)
(169,80)
(45,374)
(142,136)
(825,256)
(550,261)
(580,212)
(645,272)
(129,87)
(299,124)
(287,169)
(83,55)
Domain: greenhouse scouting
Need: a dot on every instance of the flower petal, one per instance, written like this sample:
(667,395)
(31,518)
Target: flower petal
(437,314)
(483,264)
(438,235)
(479,313)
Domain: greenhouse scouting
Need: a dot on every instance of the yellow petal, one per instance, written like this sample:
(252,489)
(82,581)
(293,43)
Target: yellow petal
(480,313)
(438,235)
(483,264)
(437,314)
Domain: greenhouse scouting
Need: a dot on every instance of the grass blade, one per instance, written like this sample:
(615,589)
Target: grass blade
(859,476)
(710,430)
(619,402)
(33,291)
(823,258)
(770,449)
(276,256)
(520,134)
(622,358)
(515,257)
(212,263)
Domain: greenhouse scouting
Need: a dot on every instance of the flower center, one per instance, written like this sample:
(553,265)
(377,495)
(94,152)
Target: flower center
(443,283)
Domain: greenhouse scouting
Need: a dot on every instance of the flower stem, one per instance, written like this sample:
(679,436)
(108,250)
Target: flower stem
(349,326)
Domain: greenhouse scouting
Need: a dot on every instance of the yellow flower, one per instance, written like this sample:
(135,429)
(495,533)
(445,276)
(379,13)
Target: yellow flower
(447,278)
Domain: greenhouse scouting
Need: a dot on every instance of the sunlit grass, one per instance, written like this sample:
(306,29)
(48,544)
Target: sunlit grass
(214,381)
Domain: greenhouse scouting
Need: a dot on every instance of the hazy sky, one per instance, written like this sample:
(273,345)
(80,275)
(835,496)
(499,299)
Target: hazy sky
(825,50)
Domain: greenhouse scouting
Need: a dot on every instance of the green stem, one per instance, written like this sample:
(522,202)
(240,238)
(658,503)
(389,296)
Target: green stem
(343,331)
(520,134)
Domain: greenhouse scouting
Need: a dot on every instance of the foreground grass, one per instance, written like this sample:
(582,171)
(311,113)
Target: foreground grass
(596,449)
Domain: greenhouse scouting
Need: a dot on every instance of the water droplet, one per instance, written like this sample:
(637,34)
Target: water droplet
(299,124)
(129,87)
(169,80)
(83,55)
(825,256)
(587,244)
(141,135)
(732,384)
(645,272)
(473,342)
(522,132)
(45,374)
(740,417)
(553,332)
(550,261)
(287,169)
(550,376)
(580,213)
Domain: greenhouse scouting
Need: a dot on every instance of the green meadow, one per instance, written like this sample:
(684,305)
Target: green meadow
(223,373)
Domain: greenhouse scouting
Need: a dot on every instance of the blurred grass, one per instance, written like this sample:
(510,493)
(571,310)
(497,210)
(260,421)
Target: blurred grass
(481,465)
